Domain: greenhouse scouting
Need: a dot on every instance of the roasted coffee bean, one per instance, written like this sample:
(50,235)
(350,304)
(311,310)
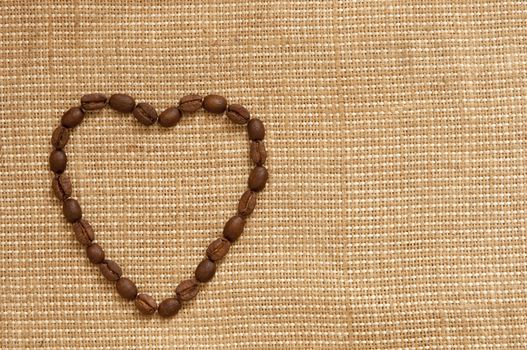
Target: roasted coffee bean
(72,210)
(145,113)
(110,270)
(60,137)
(61,186)
(233,228)
(258,178)
(238,114)
(190,103)
(122,103)
(256,129)
(169,307)
(258,153)
(91,102)
(126,288)
(58,161)
(83,232)
(145,304)
(95,253)
(218,249)
(187,289)
(247,203)
(205,270)
(72,117)
(169,117)
(215,104)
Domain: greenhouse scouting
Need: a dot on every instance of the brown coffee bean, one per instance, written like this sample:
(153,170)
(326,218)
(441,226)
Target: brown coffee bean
(238,114)
(91,102)
(58,161)
(233,228)
(258,178)
(205,270)
(187,289)
(61,186)
(83,232)
(126,288)
(122,103)
(95,253)
(190,103)
(72,210)
(145,304)
(60,137)
(110,270)
(215,104)
(247,203)
(169,307)
(145,113)
(72,117)
(169,117)
(256,129)
(258,153)
(218,249)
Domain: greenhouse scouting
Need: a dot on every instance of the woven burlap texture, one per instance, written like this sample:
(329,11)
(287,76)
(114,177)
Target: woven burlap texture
(394,217)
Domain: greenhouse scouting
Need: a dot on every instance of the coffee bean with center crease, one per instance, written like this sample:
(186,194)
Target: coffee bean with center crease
(169,307)
(145,113)
(187,289)
(122,103)
(258,178)
(72,210)
(238,114)
(218,249)
(126,288)
(233,228)
(169,117)
(110,270)
(145,304)
(258,153)
(72,117)
(58,161)
(215,104)
(190,103)
(247,203)
(95,253)
(61,186)
(60,137)
(91,102)
(83,232)
(256,129)
(205,270)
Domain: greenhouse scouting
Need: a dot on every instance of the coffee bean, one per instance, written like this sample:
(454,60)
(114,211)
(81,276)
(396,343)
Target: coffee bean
(205,270)
(169,307)
(247,203)
(215,104)
(233,228)
(218,249)
(258,153)
(122,103)
(256,129)
(258,178)
(145,113)
(190,103)
(61,186)
(91,102)
(126,288)
(238,114)
(95,253)
(72,210)
(187,289)
(83,232)
(60,137)
(72,117)
(110,270)
(58,161)
(145,304)
(169,117)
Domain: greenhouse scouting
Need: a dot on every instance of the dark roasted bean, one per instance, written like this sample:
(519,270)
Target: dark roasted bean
(215,104)
(58,161)
(91,102)
(187,289)
(169,307)
(126,288)
(110,270)
(169,117)
(72,117)
(72,210)
(218,249)
(145,304)
(60,137)
(258,178)
(95,253)
(238,114)
(83,232)
(205,270)
(190,103)
(258,153)
(247,203)
(122,103)
(145,113)
(233,228)
(61,186)
(256,129)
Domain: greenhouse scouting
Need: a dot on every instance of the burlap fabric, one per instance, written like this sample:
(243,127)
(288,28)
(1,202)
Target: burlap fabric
(395,213)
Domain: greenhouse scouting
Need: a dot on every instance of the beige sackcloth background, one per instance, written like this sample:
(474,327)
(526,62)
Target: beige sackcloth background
(395,214)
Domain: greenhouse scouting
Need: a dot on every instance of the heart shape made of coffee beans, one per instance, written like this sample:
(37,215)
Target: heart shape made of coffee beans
(147,115)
